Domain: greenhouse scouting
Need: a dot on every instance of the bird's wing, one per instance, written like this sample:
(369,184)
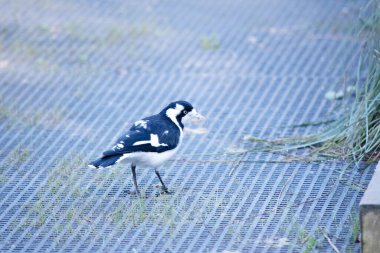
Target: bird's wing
(141,141)
(152,134)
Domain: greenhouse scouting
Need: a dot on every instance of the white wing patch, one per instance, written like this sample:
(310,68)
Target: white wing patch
(141,123)
(141,143)
(153,141)
(118,146)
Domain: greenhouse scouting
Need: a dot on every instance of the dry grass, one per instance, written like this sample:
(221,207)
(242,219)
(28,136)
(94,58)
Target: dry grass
(356,134)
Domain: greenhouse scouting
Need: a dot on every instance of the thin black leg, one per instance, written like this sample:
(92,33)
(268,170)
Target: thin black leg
(133,167)
(164,188)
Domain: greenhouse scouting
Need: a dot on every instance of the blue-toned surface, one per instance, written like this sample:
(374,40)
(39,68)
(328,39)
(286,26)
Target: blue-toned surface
(74,75)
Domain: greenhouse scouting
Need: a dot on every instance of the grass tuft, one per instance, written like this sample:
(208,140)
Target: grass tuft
(18,156)
(356,134)
(210,42)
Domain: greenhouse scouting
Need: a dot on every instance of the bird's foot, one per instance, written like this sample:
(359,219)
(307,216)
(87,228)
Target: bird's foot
(163,190)
(133,193)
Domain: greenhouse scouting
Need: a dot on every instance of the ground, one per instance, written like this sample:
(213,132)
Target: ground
(75,74)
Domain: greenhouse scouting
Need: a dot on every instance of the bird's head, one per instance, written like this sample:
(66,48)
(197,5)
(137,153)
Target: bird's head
(182,110)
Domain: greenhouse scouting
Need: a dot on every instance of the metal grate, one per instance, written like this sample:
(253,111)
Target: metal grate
(74,74)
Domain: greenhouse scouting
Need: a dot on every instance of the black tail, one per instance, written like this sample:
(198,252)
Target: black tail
(104,161)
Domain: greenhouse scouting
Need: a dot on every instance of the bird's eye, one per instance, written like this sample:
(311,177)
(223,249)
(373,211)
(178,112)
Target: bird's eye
(185,112)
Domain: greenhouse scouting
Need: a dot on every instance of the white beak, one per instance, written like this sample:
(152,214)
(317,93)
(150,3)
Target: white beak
(195,117)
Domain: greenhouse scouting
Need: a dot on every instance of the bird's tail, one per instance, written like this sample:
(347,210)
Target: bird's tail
(104,161)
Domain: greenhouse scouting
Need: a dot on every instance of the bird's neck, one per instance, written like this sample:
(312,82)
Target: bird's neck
(179,120)
(172,115)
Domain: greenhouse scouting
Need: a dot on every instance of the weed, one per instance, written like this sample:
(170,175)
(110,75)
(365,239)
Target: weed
(34,119)
(5,112)
(355,228)
(55,116)
(314,123)
(52,117)
(303,236)
(307,239)
(18,156)
(354,135)
(210,42)
(41,220)
(3,179)
(115,35)
(70,214)
(311,243)
(118,215)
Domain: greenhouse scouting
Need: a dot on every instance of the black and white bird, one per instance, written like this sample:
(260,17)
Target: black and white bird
(151,141)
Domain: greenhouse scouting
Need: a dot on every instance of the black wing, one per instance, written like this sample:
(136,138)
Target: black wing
(152,134)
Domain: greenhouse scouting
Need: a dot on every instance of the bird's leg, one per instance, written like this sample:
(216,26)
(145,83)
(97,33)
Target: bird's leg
(133,167)
(164,188)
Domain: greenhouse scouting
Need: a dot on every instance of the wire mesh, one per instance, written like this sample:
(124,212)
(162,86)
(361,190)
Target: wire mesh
(75,74)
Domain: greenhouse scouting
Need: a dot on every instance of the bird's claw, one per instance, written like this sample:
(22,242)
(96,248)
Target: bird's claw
(164,191)
(133,193)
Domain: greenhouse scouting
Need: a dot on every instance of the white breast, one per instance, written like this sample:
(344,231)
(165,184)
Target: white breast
(149,159)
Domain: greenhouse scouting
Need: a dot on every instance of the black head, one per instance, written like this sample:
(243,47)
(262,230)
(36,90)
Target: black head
(179,108)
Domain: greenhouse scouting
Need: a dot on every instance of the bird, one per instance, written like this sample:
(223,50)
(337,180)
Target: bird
(151,141)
